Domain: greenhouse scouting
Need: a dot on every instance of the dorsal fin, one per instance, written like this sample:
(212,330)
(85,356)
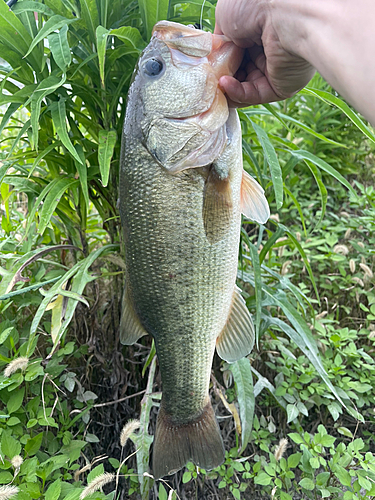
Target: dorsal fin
(237,338)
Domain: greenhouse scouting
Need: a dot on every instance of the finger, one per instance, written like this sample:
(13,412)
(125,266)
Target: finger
(217,30)
(257,90)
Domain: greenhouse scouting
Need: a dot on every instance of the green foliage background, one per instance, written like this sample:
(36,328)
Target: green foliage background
(307,277)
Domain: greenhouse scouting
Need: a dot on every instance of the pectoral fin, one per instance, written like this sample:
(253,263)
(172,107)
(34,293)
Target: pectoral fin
(217,206)
(254,204)
(131,329)
(237,338)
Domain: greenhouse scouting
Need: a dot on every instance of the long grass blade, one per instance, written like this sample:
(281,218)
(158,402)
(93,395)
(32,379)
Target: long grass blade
(273,163)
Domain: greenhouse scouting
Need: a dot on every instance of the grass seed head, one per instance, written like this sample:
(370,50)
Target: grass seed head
(280,448)
(341,249)
(7,492)
(366,270)
(17,461)
(352,265)
(128,430)
(285,267)
(358,280)
(16,364)
(97,484)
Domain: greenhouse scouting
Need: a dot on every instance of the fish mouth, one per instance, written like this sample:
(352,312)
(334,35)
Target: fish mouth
(215,53)
(189,46)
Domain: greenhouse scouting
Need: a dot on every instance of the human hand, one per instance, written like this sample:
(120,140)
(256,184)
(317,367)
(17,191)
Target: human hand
(271,69)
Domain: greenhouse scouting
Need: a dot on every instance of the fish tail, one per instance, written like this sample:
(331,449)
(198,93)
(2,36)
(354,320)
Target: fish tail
(198,441)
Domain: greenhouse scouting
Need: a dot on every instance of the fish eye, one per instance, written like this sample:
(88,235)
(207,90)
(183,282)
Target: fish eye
(153,67)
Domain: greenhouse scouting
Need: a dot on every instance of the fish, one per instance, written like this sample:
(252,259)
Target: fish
(182,191)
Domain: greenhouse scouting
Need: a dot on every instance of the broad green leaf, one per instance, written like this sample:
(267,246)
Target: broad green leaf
(52,200)
(20,134)
(24,73)
(307,483)
(33,444)
(58,113)
(9,446)
(107,142)
(15,401)
(130,36)
(89,14)
(12,108)
(54,23)
(294,460)
(343,475)
(53,491)
(37,202)
(263,479)
(83,63)
(243,380)
(258,289)
(4,167)
(56,307)
(28,20)
(152,11)
(42,154)
(58,43)
(12,32)
(292,412)
(27,289)
(339,103)
(162,492)
(46,87)
(21,96)
(101,43)
(30,6)
(273,163)
(105,8)
(82,172)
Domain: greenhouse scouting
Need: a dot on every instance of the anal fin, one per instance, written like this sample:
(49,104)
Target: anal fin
(198,440)
(217,206)
(131,329)
(254,204)
(237,338)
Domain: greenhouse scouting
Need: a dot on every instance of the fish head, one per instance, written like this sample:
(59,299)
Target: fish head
(176,84)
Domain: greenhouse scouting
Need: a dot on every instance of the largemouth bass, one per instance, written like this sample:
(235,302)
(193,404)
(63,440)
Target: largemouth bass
(182,191)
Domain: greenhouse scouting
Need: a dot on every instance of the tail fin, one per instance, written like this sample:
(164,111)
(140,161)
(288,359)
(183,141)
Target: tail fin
(198,441)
